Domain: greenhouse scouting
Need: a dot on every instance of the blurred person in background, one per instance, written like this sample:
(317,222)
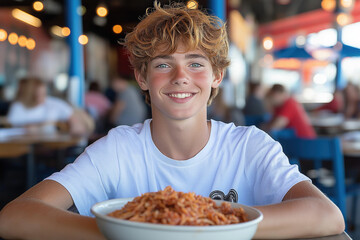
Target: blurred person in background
(97,105)
(336,105)
(287,113)
(4,104)
(38,112)
(96,102)
(129,107)
(254,103)
(352,99)
(110,93)
(255,112)
(221,111)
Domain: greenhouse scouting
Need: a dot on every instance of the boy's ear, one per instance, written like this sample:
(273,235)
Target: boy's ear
(141,80)
(217,79)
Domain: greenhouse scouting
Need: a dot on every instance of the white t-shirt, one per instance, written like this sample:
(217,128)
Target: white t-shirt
(240,161)
(52,110)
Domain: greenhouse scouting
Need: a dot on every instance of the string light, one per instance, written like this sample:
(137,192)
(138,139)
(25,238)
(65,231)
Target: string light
(101,11)
(38,6)
(3,35)
(192,4)
(83,39)
(22,41)
(343,19)
(346,3)
(13,38)
(268,43)
(117,28)
(65,31)
(328,5)
(30,44)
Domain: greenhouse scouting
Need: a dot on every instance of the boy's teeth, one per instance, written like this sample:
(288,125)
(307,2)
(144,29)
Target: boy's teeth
(180,95)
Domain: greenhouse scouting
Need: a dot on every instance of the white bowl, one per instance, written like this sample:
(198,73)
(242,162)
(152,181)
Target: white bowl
(114,228)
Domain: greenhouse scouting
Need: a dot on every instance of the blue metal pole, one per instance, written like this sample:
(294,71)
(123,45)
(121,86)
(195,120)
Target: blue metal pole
(76,70)
(218,8)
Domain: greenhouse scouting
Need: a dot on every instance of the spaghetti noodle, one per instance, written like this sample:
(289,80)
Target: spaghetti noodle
(178,208)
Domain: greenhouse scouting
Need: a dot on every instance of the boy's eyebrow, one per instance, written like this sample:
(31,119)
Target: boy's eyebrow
(163,56)
(195,55)
(187,56)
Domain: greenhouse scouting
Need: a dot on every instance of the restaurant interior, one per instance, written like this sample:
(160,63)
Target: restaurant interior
(309,47)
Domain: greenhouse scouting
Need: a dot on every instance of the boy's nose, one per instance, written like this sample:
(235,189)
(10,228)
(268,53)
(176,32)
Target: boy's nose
(180,76)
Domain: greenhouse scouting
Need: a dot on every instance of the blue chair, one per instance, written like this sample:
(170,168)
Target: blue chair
(256,120)
(283,134)
(321,150)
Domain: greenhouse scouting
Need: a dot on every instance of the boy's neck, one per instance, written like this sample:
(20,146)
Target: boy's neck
(180,139)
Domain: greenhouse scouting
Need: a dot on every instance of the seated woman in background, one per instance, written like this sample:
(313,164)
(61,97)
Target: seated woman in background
(38,112)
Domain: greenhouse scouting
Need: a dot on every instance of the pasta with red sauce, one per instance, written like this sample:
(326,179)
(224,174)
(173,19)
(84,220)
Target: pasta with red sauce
(177,208)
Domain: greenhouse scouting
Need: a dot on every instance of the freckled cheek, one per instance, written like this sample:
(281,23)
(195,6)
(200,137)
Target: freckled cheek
(201,77)
(157,80)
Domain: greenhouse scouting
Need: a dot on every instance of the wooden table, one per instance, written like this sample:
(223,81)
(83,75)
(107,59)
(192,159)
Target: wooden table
(16,145)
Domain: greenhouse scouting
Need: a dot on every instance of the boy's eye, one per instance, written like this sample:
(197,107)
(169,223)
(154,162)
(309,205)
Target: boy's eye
(196,65)
(163,65)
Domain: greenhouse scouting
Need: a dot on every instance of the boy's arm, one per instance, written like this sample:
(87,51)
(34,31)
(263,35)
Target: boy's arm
(41,213)
(304,212)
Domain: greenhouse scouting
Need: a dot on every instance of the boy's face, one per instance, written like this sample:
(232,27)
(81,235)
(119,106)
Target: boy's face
(179,84)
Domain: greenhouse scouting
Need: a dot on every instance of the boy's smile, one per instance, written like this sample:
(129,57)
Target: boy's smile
(179,84)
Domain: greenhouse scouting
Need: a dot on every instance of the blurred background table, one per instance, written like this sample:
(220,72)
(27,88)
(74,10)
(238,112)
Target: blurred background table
(17,142)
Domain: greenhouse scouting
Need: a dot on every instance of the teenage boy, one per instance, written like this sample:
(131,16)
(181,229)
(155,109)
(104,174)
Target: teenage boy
(179,57)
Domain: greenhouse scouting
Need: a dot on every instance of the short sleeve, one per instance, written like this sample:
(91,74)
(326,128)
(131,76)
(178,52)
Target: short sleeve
(270,171)
(93,177)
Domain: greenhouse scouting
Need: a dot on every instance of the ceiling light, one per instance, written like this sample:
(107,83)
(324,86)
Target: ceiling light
(38,6)
(81,10)
(101,10)
(22,41)
(13,38)
(25,17)
(268,43)
(300,41)
(117,28)
(192,4)
(328,5)
(57,31)
(3,35)
(30,44)
(65,31)
(346,3)
(83,39)
(343,19)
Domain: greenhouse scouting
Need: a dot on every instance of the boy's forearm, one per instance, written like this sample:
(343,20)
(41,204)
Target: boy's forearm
(300,218)
(41,221)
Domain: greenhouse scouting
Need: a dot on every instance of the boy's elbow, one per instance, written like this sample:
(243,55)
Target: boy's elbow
(334,223)
(4,223)
(339,222)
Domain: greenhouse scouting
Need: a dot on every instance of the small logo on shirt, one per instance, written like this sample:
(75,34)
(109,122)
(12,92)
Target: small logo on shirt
(232,196)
